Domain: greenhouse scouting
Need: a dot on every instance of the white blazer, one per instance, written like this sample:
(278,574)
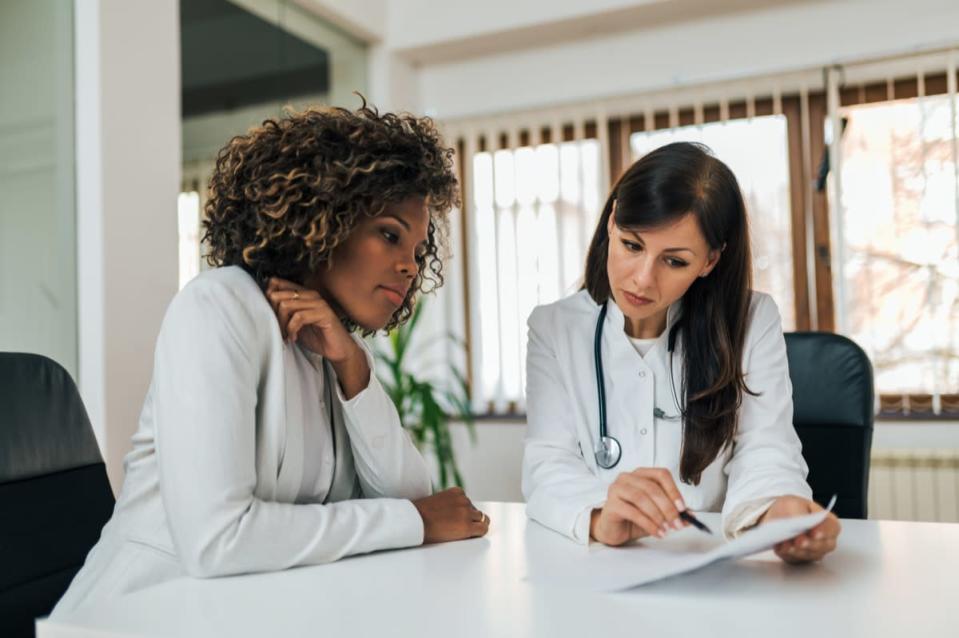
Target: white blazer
(217,467)
(562,482)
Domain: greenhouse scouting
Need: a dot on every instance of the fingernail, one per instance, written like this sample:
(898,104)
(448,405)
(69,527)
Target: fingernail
(680,505)
(677,523)
(803,543)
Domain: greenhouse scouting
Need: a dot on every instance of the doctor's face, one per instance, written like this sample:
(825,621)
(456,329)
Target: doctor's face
(650,269)
(374,268)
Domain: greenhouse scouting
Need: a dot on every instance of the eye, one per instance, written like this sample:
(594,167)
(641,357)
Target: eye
(390,236)
(632,246)
(673,262)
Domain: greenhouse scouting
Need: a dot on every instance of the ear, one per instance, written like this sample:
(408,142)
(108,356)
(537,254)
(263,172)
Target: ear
(712,260)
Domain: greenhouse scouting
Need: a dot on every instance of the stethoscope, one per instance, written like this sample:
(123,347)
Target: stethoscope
(608,450)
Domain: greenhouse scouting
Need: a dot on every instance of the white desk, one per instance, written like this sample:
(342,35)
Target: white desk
(886,579)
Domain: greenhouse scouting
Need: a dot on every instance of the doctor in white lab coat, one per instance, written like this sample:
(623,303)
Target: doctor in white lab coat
(697,392)
(265,439)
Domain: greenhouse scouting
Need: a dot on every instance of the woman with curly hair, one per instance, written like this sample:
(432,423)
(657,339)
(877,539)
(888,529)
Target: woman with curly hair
(265,439)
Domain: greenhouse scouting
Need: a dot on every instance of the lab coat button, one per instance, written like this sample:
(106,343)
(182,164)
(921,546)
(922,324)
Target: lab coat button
(643,431)
(642,373)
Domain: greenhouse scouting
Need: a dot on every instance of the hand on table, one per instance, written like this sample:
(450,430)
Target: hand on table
(450,516)
(808,546)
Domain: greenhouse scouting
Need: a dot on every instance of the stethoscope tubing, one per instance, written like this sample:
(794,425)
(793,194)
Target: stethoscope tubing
(608,450)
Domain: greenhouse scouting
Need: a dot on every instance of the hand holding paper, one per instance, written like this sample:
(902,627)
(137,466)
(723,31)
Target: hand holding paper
(810,545)
(602,568)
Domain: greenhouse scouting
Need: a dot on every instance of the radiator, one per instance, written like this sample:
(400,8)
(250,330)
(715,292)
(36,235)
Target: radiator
(914,485)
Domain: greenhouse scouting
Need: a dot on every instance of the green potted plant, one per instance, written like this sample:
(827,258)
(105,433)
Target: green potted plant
(425,409)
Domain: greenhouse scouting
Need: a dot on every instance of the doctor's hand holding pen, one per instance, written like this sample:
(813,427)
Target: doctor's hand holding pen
(644,502)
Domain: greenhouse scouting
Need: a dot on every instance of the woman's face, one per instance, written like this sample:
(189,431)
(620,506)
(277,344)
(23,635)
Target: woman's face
(650,269)
(374,268)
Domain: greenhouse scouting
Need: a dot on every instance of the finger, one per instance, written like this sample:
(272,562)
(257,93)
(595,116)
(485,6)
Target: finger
(789,557)
(801,541)
(817,550)
(661,499)
(791,553)
(628,512)
(636,494)
(830,527)
(288,307)
(654,502)
(285,307)
(479,528)
(804,556)
(276,296)
(812,551)
(664,478)
(278,283)
(284,314)
(321,318)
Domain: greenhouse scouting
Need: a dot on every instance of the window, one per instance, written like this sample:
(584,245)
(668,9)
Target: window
(188,226)
(900,266)
(534,212)
(755,149)
(871,252)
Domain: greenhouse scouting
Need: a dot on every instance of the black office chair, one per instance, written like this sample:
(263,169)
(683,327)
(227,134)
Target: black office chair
(54,493)
(833,415)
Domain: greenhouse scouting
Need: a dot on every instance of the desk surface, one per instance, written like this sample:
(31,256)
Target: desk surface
(886,579)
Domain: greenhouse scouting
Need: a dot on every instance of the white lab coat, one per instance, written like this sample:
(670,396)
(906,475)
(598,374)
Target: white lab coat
(562,482)
(215,480)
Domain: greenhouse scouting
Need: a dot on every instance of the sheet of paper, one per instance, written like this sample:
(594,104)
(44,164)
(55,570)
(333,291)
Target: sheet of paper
(556,561)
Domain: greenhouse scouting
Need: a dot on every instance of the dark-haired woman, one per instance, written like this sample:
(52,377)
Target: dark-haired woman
(693,377)
(265,440)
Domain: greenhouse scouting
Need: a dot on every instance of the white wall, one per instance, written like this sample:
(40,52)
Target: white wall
(204,135)
(491,468)
(366,20)
(765,41)
(128,173)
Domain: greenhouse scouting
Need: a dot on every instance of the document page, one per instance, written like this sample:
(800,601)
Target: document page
(557,561)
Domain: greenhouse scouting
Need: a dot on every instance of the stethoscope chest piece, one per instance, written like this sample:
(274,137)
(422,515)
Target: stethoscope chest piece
(608,452)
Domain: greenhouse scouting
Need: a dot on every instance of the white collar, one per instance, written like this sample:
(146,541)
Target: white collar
(616,320)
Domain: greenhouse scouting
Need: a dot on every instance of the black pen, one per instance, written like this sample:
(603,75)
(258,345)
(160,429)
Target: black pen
(695,522)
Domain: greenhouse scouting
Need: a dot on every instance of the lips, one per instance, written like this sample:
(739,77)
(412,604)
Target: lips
(637,300)
(396,294)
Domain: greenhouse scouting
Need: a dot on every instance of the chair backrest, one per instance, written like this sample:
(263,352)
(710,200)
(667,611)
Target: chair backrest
(54,493)
(833,413)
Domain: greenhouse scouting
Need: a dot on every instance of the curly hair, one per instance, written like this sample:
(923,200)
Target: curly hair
(283,196)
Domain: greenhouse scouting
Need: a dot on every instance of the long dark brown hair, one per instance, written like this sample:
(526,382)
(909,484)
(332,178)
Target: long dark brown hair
(668,183)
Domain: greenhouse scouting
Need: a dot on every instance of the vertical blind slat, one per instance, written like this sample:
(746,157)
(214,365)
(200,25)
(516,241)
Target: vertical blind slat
(808,195)
(837,217)
(953,97)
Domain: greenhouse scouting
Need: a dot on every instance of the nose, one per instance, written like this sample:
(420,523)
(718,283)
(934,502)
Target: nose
(407,265)
(645,276)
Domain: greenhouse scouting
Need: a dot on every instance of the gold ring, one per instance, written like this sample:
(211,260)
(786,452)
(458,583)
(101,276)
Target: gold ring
(296,295)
